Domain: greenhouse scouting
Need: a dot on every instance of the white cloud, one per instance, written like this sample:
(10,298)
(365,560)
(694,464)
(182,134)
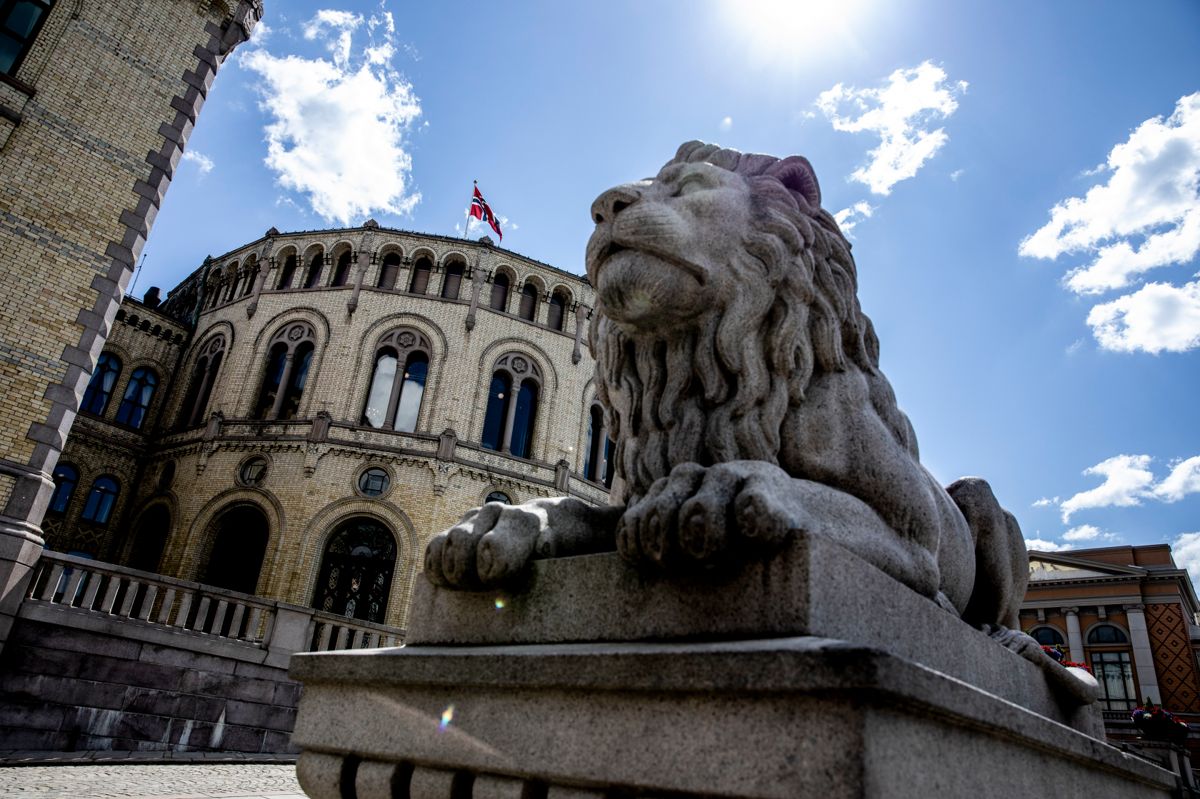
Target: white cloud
(1146,216)
(1045,502)
(337,129)
(202,161)
(1075,346)
(1157,317)
(1184,479)
(1087,532)
(1186,551)
(1042,545)
(956,174)
(726,123)
(847,218)
(1127,480)
(899,112)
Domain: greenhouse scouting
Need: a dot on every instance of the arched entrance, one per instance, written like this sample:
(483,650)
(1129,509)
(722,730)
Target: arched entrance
(239,542)
(149,539)
(356,571)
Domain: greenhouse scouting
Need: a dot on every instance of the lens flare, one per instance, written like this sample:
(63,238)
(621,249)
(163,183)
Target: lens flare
(447,717)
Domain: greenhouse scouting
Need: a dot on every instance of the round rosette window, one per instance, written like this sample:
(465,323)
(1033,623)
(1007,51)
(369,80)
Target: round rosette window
(252,472)
(374,482)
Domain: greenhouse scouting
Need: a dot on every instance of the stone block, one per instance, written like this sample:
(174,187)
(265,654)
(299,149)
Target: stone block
(131,672)
(140,727)
(33,740)
(287,694)
(279,742)
(152,701)
(186,658)
(67,639)
(200,708)
(239,739)
(253,714)
(260,672)
(31,716)
(231,687)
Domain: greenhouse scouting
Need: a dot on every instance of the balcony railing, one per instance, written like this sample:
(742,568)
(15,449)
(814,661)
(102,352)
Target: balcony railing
(93,588)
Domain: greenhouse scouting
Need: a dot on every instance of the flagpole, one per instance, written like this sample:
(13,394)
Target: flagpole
(467,222)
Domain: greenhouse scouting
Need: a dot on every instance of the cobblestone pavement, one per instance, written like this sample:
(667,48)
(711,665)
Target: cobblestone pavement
(171,781)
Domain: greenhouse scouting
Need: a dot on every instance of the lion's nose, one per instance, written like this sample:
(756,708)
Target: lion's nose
(612,202)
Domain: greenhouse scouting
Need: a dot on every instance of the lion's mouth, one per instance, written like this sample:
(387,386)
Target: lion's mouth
(613,248)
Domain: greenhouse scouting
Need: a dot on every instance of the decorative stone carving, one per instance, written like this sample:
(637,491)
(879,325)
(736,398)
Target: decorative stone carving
(742,387)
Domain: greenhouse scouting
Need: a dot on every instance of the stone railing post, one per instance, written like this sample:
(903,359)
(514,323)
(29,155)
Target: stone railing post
(289,635)
(1074,635)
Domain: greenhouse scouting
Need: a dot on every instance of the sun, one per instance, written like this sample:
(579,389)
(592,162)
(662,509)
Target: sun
(794,31)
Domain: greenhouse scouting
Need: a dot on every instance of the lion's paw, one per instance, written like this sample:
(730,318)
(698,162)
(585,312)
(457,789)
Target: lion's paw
(698,515)
(489,546)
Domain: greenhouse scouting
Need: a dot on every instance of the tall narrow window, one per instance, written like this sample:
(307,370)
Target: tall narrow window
(394,398)
(98,507)
(136,402)
(232,280)
(100,387)
(251,278)
(314,271)
(609,462)
(557,310)
(593,464)
(529,301)
(1114,672)
(356,571)
(342,273)
(20,21)
(289,360)
(453,281)
(288,272)
(389,271)
(420,276)
(204,376)
(499,298)
(66,477)
(511,414)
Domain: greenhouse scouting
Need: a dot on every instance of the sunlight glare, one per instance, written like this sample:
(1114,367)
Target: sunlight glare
(795,31)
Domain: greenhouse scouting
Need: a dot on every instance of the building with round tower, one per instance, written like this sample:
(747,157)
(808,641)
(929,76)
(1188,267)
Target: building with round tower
(303,413)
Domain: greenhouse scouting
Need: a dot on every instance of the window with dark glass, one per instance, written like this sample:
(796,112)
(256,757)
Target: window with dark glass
(251,278)
(1114,672)
(521,444)
(609,462)
(253,472)
(394,398)
(498,496)
(494,420)
(356,571)
(453,281)
(499,297)
(529,299)
(314,271)
(1106,634)
(136,402)
(374,482)
(66,477)
(342,273)
(276,361)
(20,22)
(240,536)
(100,500)
(557,311)
(100,387)
(593,460)
(288,272)
(289,360)
(204,376)
(389,271)
(511,412)
(420,276)
(1048,636)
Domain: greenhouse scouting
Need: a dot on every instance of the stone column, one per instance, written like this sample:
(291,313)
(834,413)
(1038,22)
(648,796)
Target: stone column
(286,378)
(360,274)
(264,271)
(1143,657)
(511,415)
(582,312)
(1074,636)
(477,279)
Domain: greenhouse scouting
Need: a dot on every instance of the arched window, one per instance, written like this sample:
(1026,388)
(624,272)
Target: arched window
(389,271)
(289,359)
(204,376)
(136,402)
(240,537)
(1107,634)
(420,276)
(100,387)
(98,507)
(342,273)
(66,477)
(499,496)
(499,299)
(150,539)
(20,24)
(1047,636)
(529,302)
(232,279)
(288,272)
(557,311)
(356,571)
(513,395)
(394,399)
(251,277)
(314,271)
(452,283)
(594,458)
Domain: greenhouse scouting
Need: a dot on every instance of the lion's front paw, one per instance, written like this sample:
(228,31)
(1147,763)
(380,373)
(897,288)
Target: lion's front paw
(488,547)
(698,514)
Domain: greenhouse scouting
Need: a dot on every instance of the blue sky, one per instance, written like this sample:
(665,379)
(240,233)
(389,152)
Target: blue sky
(1019,179)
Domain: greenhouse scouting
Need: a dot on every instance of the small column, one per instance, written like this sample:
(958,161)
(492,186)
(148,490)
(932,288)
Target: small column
(364,260)
(1143,657)
(1074,635)
(264,272)
(513,391)
(582,313)
(286,378)
(477,278)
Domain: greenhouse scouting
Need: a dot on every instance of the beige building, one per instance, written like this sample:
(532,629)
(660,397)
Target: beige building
(97,100)
(302,414)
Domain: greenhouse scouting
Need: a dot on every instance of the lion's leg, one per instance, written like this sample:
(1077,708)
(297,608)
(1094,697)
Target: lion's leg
(1001,562)
(647,528)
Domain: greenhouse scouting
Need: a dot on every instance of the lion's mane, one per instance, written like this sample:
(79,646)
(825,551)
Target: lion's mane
(723,391)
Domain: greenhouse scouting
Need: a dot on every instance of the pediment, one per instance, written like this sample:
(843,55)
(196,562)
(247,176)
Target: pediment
(1043,567)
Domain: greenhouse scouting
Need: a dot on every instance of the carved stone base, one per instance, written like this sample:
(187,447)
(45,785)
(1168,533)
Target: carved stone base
(776,718)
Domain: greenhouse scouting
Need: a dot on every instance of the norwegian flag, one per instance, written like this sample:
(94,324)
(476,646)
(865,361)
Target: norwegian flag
(482,211)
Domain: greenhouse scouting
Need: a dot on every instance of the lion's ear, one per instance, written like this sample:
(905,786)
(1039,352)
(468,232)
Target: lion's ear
(797,175)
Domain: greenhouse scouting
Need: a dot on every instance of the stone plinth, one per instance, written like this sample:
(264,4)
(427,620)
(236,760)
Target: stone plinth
(813,674)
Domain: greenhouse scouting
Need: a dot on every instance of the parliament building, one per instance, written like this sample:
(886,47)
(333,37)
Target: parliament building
(301,415)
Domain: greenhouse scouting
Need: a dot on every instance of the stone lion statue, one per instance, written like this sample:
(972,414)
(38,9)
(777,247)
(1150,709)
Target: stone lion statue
(742,386)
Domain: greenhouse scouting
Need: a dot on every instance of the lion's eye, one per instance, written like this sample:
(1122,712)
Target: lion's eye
(689,184)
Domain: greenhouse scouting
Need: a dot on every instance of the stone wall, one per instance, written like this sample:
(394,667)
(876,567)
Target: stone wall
(64,688)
